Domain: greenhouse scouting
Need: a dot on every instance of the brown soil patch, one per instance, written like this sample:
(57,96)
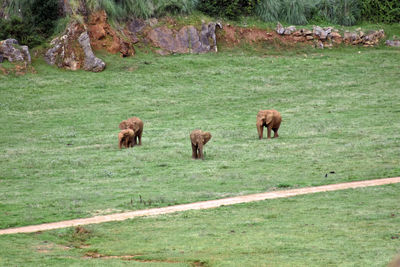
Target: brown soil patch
(17,69)
(103,36)
(200,205)
(231,36)
(96,255)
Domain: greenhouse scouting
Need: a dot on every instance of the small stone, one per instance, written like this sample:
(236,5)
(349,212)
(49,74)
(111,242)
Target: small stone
(395,43)
(280,29)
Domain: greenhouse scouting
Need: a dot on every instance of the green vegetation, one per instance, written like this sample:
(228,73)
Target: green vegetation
(344,228)
(31,21)
(58,134)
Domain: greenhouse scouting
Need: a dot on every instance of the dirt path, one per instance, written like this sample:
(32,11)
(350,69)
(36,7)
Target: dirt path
(199,205)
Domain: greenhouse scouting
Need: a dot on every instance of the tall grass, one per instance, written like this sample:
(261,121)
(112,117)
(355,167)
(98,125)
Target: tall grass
(268,10)
(124,9)
(343,12)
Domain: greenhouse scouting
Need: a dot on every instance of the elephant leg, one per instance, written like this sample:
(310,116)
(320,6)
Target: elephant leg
(134,140)
(126,142)
(275,132)
(269,132)
(140,138)
(194,151)
(200,148)
(260,131)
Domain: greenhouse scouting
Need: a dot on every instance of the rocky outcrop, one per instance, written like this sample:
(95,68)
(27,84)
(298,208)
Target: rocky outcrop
(328,36)
(12,51)
(358,37)
(103,36)
(395,43)
(186,40)
(73,51)
(65,51)
(91,63)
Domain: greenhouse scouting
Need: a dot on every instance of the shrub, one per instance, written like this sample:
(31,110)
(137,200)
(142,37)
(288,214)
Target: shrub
(231,9)
(31,22)
(380,11)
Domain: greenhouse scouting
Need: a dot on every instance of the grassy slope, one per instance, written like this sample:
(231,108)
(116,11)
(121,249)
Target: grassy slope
(344,228)
(340,113)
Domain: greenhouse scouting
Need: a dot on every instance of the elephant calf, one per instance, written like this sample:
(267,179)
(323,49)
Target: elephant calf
(136,125)
(269,118)
(125,138)
(199,139)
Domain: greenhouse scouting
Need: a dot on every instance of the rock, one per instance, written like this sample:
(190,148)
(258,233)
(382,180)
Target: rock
(102,35)
(92,63)
(73,51)
(336,37)
(350,36)
(280,29)
(370,39)
(298,38)
(186,40)
(136,25)
(289,30)
(25,52)
(395,43)
(373,37)
(321,33)
(10,50)
(306,32)
(298,33)
(64,51)
(152,22)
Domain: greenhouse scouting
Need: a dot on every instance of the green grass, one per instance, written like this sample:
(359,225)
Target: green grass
(58,136)
(343,228)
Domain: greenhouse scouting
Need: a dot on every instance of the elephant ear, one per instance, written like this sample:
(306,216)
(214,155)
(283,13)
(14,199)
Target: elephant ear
(123,125)
(268,118)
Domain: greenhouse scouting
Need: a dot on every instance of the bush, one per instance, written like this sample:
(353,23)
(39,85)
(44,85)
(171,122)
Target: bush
(231,9)
(31,22)
(380,11)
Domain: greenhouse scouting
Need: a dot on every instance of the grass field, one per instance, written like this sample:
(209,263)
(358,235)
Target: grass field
(60,159)
(344,228)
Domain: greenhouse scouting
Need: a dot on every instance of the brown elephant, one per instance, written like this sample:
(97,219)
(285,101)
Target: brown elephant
(271,119)
(125,138)
(199,139)
(136,125)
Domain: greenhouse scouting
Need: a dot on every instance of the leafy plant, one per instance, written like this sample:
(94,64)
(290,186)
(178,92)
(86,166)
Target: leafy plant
(231,9)
(380,11)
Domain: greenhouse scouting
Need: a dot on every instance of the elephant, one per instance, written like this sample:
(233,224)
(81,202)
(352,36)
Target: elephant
(198,139)
(125,138)
(269,118)
(136,125)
